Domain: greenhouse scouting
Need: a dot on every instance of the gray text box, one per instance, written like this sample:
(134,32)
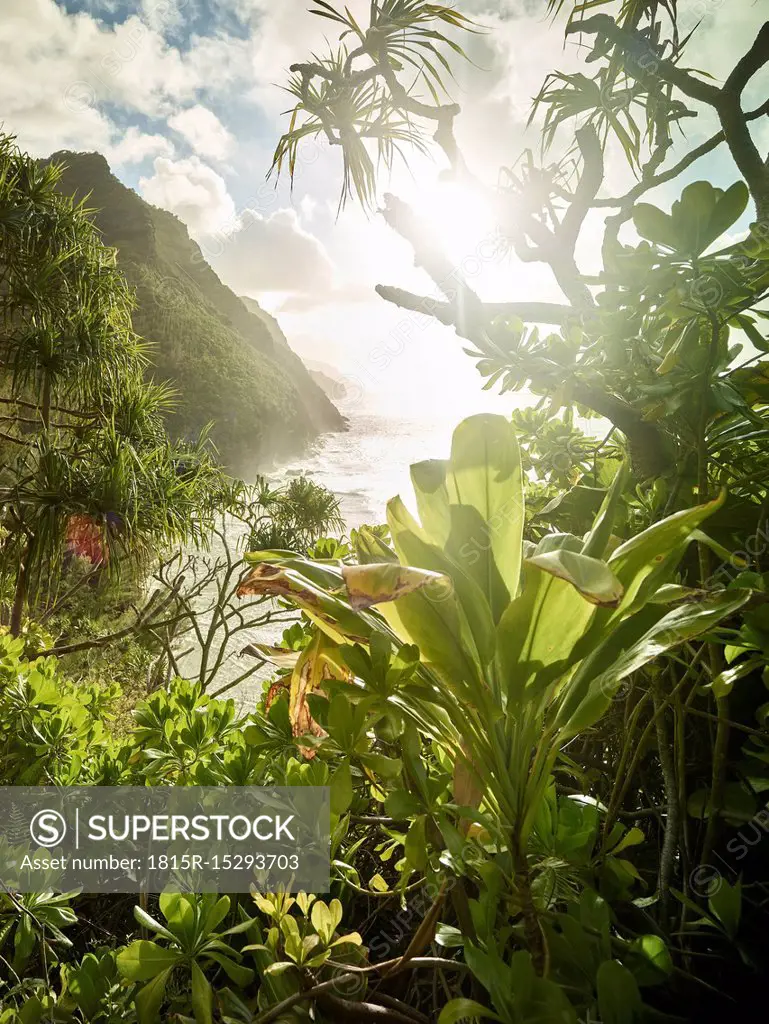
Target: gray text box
(185,838)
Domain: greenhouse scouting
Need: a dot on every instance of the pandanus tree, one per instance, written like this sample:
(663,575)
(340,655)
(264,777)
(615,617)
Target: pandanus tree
(86,461)
(520,647)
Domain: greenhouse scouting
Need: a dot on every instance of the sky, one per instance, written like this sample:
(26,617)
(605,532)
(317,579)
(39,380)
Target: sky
(184,99)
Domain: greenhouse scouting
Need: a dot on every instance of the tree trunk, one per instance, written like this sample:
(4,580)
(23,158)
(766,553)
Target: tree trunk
(20,594)
(45,408)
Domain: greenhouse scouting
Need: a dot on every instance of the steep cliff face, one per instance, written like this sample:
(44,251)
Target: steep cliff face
(307,381)
(231,365)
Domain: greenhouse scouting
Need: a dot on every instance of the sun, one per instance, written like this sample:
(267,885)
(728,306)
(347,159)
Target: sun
(460,217)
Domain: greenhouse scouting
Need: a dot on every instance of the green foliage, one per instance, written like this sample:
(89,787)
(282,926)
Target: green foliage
(292,516)
(518,655)
(351,105)
(31,919)
(191,942)
(48,728)
(540,719)
(97,470)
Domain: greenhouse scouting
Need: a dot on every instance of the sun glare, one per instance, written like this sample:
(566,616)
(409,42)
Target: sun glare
(460,216)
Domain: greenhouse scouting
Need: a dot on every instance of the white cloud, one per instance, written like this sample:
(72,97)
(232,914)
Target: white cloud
(134,146)
(58,69)
(271,254)
(193,191)
(204,132)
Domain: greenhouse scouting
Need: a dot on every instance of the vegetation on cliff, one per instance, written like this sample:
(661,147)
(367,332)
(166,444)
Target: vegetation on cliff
(230,365)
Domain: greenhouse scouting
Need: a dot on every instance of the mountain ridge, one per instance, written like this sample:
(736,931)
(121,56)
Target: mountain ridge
(231,364)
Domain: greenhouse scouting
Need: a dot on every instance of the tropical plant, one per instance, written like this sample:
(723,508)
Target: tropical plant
(29,919)
(521,650)
(192,942)
(87,466)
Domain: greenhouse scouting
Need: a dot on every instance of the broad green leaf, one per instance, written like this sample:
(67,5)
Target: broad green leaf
(475,623)
(202,996)
(597,540)
(326,919)
(429,482)
(86,986)
(653,949)
(469,547)
(386,767)
(539,630)
(703,213)
(724,682)
(730,207)
(242,976)
(485,473)
(652,223)
(150,998)
(619,1001)
(433,623)
(647,561)
(144,959)
(350,939)
(291,938)
(725,903)
(633,837)
(340,789)
(179,913)
(592,578)
(147,921)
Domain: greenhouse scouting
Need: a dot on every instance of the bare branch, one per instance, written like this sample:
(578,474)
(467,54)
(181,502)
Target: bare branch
(446,312)
(587,189)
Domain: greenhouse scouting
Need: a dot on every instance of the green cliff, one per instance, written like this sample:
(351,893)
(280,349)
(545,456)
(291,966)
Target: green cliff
(230,364)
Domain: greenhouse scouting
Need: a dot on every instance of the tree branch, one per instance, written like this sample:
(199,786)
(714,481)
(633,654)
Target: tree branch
(647,184)
(643,59)
(446,312)
(586,190)
(734,122)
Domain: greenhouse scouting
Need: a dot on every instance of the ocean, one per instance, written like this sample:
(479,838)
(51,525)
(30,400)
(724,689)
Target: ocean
(369,464)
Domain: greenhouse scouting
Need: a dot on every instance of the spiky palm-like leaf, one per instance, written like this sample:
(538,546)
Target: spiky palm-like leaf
(353,107)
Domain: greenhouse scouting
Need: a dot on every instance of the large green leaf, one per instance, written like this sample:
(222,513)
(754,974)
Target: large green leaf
(469,547)
(597,540)
(485,473)
(474,614)
(591,577)
(619,1000)
(150,999)
(539,631)
(143,960)
(429,482)
(648,560)
(650,222)
(202,996)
